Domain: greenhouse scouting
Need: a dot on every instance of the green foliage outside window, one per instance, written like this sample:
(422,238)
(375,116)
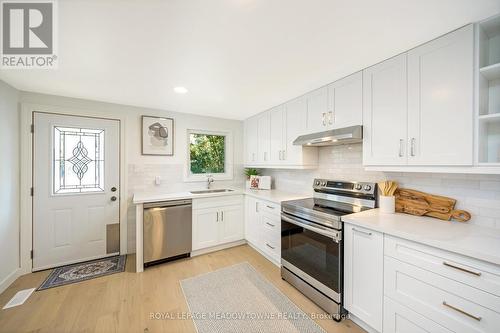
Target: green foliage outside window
(207,153)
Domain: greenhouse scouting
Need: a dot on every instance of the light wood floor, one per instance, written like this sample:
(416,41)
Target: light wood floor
(124,302)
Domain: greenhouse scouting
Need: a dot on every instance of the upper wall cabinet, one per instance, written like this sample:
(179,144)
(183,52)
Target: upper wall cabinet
(385,113)
(440,100)
(418,106)
(319,118)
(276,130)
(345,101)
(251,140)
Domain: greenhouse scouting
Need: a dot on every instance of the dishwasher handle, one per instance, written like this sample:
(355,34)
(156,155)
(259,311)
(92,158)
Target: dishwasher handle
(165,204)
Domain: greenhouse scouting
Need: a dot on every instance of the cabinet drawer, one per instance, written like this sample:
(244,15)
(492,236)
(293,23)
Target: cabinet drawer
(272,247)
(269,207)
(221,201)
(400,319)
(271,224)
(469,271)
(452,304)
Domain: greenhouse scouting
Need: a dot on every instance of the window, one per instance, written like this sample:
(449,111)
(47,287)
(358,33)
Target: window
(208,154)
(78,164)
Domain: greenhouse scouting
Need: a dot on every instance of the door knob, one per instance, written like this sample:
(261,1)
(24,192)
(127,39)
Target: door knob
(113,198)
(113,189)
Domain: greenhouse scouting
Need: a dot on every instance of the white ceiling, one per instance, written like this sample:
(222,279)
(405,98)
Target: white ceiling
(236,57)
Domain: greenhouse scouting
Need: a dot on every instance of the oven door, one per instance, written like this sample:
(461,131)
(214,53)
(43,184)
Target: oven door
(313,253)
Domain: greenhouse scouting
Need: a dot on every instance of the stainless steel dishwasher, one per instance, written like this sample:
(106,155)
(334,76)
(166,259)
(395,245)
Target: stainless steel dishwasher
(167,230)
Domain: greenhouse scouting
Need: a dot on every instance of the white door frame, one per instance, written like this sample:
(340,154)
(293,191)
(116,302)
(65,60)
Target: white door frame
(26,226)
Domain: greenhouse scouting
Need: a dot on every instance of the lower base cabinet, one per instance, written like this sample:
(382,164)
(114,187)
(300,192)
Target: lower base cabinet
(217,221)
(263,227)
(364,274)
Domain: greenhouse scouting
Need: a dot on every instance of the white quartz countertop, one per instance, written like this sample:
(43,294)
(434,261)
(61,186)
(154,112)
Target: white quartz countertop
(269,195)
(463,238)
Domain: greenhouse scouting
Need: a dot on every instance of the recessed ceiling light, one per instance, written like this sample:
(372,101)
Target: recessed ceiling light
(180,90)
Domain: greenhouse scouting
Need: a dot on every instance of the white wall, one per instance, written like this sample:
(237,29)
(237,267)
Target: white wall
(9,188)
(141,170)
(478,194)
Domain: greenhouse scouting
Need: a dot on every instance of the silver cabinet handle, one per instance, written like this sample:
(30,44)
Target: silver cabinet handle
(256,207)
(461,311)
(461,269)
(330,118)
(222,216)
(253,156)
(270,207)
(362,232)
(265,156)
(269,246)
(324,118)
(269,224)
(401,141)
(284,155)
(217,217)
(412,146)
(281,155)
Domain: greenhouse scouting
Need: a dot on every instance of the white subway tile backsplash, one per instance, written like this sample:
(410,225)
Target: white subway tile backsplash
(478,194)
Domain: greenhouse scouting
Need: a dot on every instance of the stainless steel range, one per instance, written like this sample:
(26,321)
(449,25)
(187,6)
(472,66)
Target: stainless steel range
(311,239)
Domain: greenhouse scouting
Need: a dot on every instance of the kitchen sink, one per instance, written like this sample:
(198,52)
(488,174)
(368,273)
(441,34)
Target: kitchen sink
(212,191)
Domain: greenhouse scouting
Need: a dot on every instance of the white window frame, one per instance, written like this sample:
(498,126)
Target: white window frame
(228,158)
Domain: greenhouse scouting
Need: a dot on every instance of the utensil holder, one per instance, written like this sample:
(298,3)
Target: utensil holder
(387,204)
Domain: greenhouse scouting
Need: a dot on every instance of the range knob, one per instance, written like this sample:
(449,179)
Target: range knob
(323,183)
(317,183)
(358,187)
(368,187)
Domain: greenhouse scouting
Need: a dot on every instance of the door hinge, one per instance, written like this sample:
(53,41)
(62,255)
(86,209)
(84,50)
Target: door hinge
(31,254)
(32,191)
(32,128)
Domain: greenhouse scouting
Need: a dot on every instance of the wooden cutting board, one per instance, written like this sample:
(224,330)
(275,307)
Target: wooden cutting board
(420,203)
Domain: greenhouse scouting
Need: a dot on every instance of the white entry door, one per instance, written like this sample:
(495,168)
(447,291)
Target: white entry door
(76,196)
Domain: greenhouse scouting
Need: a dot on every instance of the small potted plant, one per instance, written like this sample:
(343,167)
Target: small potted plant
(249,172)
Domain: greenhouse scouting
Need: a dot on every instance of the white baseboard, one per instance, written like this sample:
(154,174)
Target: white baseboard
(217,248)
(362,324)
(9,280)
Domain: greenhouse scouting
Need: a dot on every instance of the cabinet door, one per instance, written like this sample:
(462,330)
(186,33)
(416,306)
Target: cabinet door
(205,228)
(385,113)
(440,100)
(251,125)
(295,120)
(252,221)
(345,101)
(276,136)
(363,269)
(318,118)
(231,226)
(264,136)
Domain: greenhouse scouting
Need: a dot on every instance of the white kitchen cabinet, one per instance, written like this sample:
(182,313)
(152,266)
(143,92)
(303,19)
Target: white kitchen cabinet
(319,118)
(295,125)
(345,101)
(363,274)
(278,135)
(217,221)
(263,227)
(440,100)
(252,220)
(385,112)
(264,137)
(251,140)
(205,228)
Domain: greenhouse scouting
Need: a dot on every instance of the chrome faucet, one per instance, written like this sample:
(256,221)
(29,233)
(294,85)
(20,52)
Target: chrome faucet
(210,180)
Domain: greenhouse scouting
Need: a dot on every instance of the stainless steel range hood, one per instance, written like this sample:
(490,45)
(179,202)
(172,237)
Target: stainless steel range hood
(341,136)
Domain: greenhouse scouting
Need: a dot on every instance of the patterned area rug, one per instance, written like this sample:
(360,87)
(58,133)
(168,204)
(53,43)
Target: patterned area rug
(84,271)
(239,299)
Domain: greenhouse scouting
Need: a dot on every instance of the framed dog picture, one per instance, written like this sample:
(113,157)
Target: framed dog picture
(157,136)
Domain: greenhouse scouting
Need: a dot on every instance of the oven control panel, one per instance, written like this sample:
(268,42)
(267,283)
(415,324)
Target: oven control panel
(345,186)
